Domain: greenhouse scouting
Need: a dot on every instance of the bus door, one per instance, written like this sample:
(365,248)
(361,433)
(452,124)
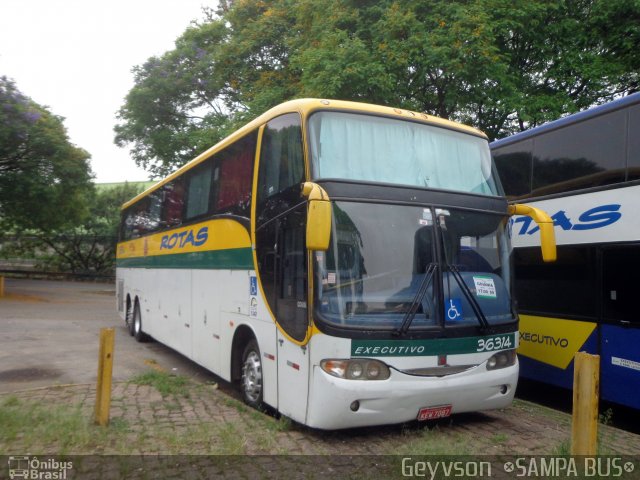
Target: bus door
(620,328)
(291,315)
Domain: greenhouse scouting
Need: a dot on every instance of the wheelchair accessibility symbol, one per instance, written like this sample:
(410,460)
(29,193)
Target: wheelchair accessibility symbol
(454,309)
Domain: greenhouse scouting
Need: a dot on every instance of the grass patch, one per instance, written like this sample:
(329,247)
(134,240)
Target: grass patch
(166,383)
(499,438)
(38,427)
(231,441)
(435,441)
(563,449)
(233,403)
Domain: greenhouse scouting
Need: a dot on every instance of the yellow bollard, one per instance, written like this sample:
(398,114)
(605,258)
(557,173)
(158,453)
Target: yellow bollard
(105,370)
(1,287)
(584,430)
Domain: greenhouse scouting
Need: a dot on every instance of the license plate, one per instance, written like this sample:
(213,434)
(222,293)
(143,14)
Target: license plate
(433,413)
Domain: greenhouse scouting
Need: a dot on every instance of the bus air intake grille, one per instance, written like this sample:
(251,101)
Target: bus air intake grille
(438,371)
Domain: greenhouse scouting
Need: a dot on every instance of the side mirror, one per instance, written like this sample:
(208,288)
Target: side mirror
(544,221)
(318,216)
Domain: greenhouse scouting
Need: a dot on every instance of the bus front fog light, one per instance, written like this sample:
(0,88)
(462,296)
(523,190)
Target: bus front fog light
(504,389)
(355,406)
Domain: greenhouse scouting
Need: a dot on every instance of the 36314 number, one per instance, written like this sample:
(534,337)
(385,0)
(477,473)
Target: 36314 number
(495,343)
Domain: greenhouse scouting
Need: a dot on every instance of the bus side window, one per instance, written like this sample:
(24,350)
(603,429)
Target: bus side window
(173,203)
(199,186)
(137,219)
(281,166)
(153,223)
(232,177)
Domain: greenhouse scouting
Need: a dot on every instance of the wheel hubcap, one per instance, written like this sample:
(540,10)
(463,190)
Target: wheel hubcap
(252,376)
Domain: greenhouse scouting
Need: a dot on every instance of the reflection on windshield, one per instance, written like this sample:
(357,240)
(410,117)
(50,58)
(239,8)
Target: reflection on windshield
(381,255)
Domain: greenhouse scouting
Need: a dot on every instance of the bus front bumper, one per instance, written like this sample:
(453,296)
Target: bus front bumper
(336,403)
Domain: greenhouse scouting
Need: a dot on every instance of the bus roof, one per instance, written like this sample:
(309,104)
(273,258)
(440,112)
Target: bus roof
(305,107)
(569,120)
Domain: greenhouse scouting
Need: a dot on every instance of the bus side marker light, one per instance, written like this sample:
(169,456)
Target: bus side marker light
(295,366)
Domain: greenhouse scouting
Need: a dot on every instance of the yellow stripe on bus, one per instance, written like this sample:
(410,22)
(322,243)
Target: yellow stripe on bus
(553,341)
(218,234)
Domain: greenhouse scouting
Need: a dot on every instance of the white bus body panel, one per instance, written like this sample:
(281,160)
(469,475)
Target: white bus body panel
(293,379)
(197,312)
(399,398)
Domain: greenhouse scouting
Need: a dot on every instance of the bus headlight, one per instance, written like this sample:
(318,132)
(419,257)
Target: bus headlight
(360,369)
(502,359)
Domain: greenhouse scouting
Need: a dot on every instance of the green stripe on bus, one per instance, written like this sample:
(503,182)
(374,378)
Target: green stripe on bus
(230,259)
(438,346)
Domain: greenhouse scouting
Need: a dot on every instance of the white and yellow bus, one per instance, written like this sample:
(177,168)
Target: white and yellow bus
(346,264)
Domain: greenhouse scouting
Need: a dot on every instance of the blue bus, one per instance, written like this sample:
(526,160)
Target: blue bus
(584,170)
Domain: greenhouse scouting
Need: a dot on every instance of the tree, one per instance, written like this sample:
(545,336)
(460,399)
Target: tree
(499,65)
(87,248)
(44,179)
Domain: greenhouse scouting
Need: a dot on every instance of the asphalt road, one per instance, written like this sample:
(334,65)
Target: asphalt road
(49,335)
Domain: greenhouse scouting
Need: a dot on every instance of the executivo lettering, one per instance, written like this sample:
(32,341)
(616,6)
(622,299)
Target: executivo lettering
(544,339)
(388,350)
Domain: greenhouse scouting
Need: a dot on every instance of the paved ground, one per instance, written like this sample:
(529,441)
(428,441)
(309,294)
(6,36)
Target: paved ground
(48,355)
(201,411)
(49,335)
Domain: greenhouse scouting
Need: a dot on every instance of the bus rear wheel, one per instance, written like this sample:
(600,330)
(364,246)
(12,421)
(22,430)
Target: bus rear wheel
(128,319)
(251,382)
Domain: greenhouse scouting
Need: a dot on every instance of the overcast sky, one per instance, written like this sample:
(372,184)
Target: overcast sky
(76,56)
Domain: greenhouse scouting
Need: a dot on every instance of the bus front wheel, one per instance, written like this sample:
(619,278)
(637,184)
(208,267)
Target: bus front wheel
(251,380)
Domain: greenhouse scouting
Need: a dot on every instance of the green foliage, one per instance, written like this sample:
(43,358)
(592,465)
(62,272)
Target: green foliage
(44,179)
(87,248)
(500,65)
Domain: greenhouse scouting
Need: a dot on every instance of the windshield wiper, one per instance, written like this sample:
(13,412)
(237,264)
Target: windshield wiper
(475,306)
(417,300)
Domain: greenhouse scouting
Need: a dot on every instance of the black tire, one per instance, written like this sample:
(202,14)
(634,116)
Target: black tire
(136,328)
(251,380)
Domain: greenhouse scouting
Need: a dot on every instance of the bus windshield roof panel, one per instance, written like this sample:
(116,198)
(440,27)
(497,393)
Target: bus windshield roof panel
(305,107)
(372,148)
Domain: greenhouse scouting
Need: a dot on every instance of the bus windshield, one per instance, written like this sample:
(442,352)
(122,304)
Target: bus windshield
(378,149)
(381,256)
